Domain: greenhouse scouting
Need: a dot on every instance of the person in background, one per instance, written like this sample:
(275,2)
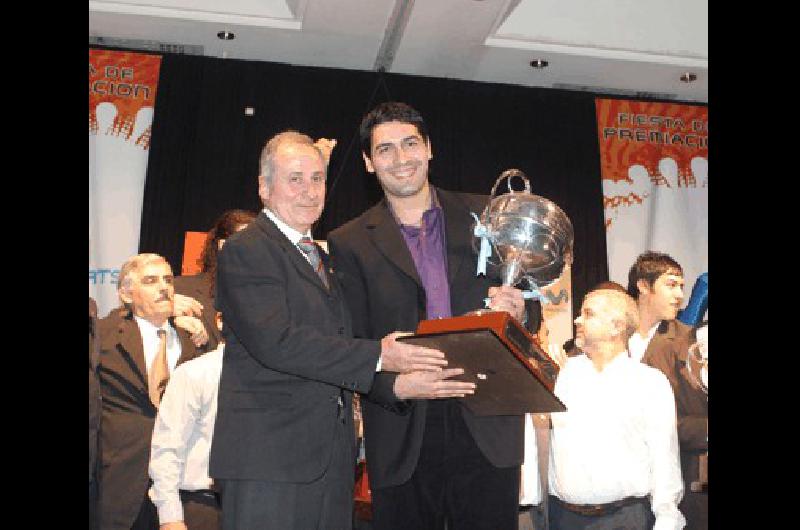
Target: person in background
(655,281)
(614,456)
(532,515)
(183,493)
(197,291)
(139,347)
(95,405)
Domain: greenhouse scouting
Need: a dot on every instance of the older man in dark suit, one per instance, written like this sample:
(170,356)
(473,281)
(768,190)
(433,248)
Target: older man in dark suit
(283,449)
(139,347)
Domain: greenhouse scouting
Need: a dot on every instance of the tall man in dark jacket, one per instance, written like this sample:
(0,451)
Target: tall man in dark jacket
(283,449)
(406,259)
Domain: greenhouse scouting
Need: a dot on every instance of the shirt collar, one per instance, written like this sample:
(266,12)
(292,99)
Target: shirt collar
(146,327)
(291,234)
(617,363)
(649,335)
(434,205)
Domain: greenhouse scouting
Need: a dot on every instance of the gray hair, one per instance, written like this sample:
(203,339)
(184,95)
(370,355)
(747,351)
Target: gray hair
(622,308)
(266,160)
(132,266)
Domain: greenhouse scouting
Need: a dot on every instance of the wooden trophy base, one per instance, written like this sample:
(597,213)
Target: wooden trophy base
(513,373)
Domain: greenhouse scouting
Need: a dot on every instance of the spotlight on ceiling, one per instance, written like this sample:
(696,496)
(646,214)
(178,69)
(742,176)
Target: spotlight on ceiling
(688,77)
(539,64)
(226,35)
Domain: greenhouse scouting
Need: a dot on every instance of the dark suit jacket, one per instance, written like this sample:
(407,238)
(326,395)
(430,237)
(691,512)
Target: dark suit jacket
(667,352)
(198,287)
(127,420)
(289,357)
(385,294)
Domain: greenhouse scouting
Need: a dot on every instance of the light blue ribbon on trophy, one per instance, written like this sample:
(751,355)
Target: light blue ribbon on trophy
(482,231)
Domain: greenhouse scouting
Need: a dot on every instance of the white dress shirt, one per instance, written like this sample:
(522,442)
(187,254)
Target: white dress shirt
(637,344)
(151,343)
(618,437)
(182,433)
(530,490)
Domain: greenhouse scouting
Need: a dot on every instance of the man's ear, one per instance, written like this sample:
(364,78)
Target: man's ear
(430,149)
(367,162)
(617,327)
(263,189)
(125,295)
(643,286)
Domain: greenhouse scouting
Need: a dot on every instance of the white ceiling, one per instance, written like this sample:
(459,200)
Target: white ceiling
(633,47)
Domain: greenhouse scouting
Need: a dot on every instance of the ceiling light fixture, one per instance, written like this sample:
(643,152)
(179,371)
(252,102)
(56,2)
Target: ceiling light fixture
(226,35)
(539,64)
(688,77)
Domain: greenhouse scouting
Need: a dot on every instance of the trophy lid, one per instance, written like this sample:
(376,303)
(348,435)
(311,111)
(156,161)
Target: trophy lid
(531,230)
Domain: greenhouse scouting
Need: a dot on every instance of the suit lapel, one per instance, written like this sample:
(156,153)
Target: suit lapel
(457,230)
(131,345)
(293,253)
(188,350)
(662,339)
(385,235)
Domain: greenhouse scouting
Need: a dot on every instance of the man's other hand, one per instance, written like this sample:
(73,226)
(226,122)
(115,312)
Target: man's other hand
(186,306)
(402,357)
(432,385)
(507,298)
(194,326)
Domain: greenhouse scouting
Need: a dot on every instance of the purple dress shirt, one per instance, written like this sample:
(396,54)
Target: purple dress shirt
(427,246)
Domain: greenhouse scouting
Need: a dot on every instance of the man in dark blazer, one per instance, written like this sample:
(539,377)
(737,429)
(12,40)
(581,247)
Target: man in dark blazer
(283,449)
(655,280)
(129,344)
(404,260)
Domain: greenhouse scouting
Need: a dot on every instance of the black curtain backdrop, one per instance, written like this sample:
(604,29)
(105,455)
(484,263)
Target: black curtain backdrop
(204,149)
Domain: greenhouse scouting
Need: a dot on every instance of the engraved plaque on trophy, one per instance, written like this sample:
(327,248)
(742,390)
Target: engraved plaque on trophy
(529,238)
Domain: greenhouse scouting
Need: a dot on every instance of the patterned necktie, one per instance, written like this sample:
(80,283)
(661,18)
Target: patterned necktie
(310,249)
(159,371)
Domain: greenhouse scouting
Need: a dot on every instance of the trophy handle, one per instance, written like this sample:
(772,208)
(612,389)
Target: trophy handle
(509,174)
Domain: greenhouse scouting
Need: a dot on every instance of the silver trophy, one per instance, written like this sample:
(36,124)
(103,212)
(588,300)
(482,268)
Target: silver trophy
(528,236)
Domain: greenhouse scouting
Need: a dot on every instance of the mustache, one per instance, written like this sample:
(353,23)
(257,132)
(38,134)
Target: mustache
(164,298)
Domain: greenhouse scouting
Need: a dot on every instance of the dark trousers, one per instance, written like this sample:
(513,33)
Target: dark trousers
(94,522)
(201,510)
(324,504)
(694,508)
(531,518)
(452,482)
(637,516)
(148,516)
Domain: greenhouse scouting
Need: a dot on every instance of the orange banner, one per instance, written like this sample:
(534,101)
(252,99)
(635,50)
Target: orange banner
(129,81)
(637,132)
(654,169)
